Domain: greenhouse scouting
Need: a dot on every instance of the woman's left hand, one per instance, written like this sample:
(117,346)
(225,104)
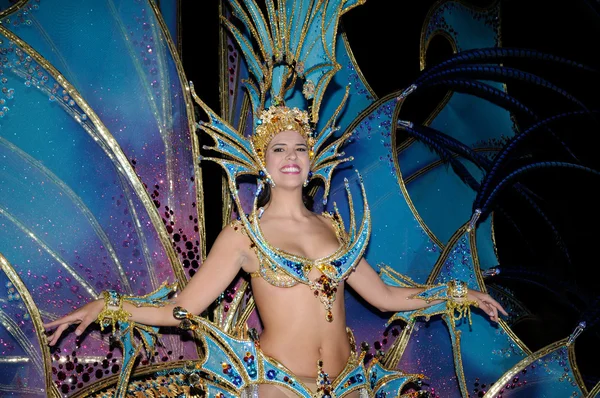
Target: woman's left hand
(486,303)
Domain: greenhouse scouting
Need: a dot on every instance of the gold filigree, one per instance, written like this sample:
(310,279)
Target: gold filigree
(276,119)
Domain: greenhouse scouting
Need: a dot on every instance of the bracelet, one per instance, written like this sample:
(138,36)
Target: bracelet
(113,311)
(453,297)
(457,289)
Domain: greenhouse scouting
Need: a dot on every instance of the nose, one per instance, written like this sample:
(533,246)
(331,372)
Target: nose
(291,154)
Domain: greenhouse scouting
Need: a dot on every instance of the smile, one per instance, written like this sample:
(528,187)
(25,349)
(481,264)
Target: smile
(290,169)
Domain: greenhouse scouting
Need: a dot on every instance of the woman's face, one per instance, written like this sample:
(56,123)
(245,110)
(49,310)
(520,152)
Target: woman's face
(287,159)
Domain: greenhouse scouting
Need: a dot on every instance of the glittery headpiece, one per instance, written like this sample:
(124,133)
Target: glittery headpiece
(276,119)
(290,56)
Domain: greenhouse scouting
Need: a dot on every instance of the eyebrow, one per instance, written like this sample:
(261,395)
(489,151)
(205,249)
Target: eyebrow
(283,143)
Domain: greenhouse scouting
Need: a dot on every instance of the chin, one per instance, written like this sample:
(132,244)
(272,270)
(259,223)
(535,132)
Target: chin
(288,183)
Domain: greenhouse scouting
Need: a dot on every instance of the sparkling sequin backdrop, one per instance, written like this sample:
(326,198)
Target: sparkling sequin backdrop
(99,186)
(99,190)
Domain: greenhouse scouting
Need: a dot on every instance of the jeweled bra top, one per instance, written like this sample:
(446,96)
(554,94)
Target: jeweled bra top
(277,276)
(283,269)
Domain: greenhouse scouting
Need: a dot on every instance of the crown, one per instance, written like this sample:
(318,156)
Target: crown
(279,55)
(276,119)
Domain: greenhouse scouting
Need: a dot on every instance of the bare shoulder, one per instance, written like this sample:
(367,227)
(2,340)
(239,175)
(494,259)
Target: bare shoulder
(234,235)
(328,219)
(323,217)
(332,222)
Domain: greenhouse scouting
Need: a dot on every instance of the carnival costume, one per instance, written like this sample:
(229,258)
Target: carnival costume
(298,74)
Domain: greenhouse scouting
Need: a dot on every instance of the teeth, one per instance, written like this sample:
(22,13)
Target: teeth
(290,169)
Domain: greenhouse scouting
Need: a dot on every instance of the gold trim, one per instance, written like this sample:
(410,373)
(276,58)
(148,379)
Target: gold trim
(493,233)
(400,179)
(424,170)
(438,108)
(224,85)
(404,144)
(112,380)
(366,112)
(438,162)
(356,67)
(434,113)
(242,322)
(226,200)
(575,368)
(594,391)
(502,381)
(484,9)
(14,359)
(444,254)
(189,106)
(161,116)
(227,324)
(513,302)
(109,140)
(36,319)
(245,113)
(12,9)
(475,258)
(12,388)
(457,355)
(481,283)
(394,354)
(358,3)
(140,231)
(424,46)
(11,326)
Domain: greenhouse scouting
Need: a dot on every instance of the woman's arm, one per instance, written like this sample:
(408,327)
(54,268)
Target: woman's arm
(365,281)
(224,261)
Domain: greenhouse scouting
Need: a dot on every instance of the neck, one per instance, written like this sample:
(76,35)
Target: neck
(287,203)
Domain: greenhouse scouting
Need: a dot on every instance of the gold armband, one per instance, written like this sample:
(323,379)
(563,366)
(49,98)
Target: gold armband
(113,311)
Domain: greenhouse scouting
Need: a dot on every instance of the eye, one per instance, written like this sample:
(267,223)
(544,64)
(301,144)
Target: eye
(301,149)
(278,149)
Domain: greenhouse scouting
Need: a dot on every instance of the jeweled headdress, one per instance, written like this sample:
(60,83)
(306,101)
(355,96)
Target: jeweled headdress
(292,61)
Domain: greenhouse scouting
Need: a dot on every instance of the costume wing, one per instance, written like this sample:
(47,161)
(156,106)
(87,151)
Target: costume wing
(99,185)
(416,231)
(421,194)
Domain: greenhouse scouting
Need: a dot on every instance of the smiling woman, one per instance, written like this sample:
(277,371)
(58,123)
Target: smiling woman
(287,155)
(101,206)
(299,263)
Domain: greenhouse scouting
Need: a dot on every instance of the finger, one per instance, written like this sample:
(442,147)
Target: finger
(495,313)
(56,335)
(85,322)
(65,319)
(52,324)
(501,309)
(490,310)
(497,307)
(487,308)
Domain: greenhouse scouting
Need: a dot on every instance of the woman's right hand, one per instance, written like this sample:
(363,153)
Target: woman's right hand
(82,316)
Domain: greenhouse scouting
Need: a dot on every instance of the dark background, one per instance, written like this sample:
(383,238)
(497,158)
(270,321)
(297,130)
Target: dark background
(384,35)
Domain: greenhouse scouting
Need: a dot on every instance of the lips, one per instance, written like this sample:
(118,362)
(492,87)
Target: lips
(290,169)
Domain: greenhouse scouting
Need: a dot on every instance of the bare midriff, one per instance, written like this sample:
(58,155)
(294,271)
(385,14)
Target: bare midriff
(296,332)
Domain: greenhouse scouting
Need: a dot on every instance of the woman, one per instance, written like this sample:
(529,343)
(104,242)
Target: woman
(298,330)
